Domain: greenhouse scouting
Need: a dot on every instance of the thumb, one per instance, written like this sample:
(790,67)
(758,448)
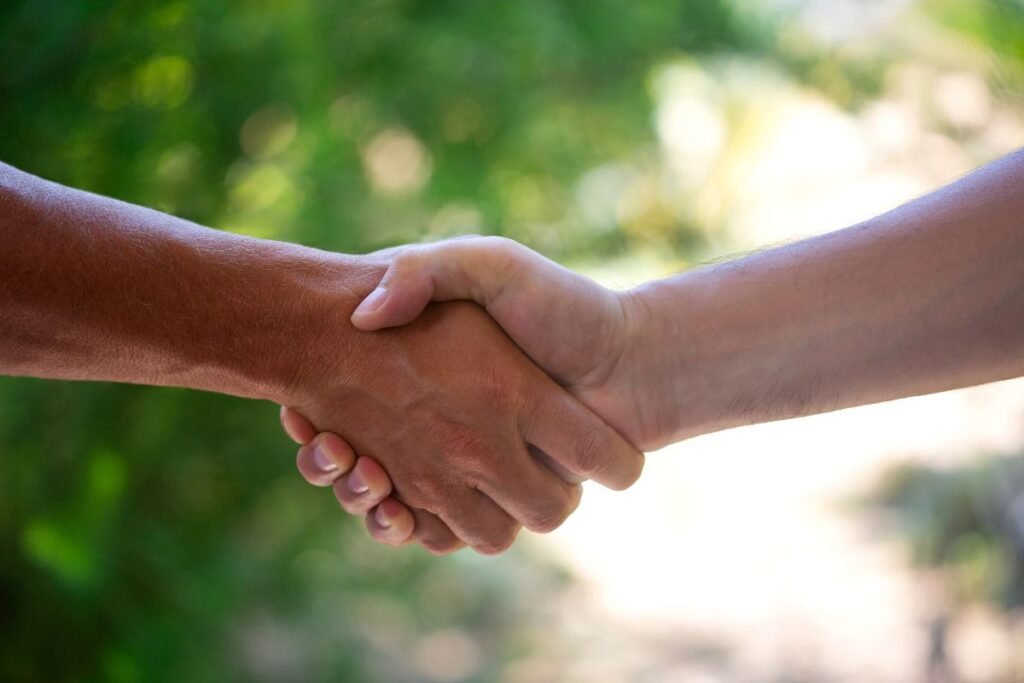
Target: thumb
(399,298)
(477,269)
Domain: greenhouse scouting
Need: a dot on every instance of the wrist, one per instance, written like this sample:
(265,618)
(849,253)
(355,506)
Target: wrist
(312,294)
(655,359)
(652,360)
(683,365)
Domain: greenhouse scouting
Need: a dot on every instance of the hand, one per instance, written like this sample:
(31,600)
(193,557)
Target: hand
(924,298)
(570,326)
(451,408)
(583,335)
(360,484)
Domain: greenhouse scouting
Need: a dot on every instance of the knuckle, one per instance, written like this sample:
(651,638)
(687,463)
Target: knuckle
(575,498)
(638,469)
(436,545)
(467,456)
(495,243)
(418,491)
(432,534)
(485,468)
(632,473)
(499,542)
(489,549)
(505,253)
(404,260)
(550,515)
(427,488)
(407,271)
(504,246)
(546,524)
(591,456)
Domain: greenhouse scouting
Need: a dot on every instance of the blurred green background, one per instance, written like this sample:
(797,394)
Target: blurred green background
(152,535)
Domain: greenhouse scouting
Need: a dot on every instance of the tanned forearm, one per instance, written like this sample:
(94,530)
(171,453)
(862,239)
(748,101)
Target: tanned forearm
(925,298)
(92,288)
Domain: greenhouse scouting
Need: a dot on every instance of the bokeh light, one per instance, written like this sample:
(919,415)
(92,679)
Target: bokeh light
(157,534)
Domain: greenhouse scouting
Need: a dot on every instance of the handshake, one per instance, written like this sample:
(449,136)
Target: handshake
(458,423)
(465,438)
(481,438)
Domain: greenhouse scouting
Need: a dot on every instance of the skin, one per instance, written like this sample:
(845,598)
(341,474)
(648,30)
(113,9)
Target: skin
(926,298)
(96,289)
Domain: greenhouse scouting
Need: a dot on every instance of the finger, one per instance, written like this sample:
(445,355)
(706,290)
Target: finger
(563,474)
(363,488)
(480,522)
(478,269)
(582,443)
(296,426)
(532,494)
(391,523)
(402,294)
(324,459)
(433,534)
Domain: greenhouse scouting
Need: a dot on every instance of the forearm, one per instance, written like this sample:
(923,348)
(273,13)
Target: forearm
(92,288)
(926,298)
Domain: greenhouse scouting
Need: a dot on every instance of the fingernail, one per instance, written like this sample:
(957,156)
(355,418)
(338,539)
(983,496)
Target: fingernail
(371,303)
(322,460)
(381,518)
(356,483)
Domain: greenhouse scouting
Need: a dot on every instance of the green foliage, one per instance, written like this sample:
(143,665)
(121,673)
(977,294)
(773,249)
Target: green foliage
(965,522)
(511,99)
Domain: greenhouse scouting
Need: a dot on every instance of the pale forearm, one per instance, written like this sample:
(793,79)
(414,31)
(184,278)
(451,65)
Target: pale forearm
(926,298)
(92,288)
